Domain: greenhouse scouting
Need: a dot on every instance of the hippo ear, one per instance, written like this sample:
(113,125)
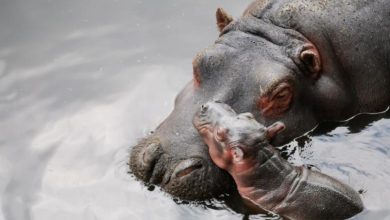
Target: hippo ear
(310,57)
(223,19)
(237,154)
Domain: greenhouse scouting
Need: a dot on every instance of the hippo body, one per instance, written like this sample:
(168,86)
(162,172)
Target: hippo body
(300,62)
(239,145)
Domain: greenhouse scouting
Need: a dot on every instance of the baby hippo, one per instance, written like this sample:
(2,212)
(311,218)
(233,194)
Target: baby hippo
(240,145)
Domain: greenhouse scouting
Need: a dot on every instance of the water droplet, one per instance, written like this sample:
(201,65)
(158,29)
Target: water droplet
(151,188)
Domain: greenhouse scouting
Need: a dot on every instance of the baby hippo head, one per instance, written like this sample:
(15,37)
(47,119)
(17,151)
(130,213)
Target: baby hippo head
(232,137)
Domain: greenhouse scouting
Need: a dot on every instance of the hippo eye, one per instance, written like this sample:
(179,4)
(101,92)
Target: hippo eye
(279,101)
(282,94)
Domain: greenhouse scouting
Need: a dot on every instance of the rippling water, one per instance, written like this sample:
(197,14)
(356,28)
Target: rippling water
(81,81)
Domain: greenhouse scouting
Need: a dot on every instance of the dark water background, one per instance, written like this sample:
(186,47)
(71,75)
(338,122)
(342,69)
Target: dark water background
(82,80)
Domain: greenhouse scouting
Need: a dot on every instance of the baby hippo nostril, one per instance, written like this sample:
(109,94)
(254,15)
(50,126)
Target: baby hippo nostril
(204,108)
(186,167)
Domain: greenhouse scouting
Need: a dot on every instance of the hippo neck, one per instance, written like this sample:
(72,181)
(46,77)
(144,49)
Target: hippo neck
(268,181)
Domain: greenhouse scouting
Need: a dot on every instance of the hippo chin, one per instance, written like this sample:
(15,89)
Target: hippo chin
(240,145)
(300,62)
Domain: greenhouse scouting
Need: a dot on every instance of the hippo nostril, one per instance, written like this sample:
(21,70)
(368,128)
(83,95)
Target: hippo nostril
(188,170)
(148,169)
(186,167)
(150,153)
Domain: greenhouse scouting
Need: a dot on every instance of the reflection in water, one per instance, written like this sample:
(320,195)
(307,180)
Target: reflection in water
(80,81)
(355,151)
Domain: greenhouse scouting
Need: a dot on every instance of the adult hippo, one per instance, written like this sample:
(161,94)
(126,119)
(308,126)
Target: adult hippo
(295,61)
(240,145)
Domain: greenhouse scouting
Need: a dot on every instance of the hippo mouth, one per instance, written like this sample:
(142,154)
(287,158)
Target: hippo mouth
(188,178)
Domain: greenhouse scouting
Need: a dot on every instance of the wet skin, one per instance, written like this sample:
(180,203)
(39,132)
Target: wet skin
(300,62)
(240,145)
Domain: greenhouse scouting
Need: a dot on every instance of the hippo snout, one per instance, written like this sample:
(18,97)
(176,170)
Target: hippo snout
(147,164)
(183,177)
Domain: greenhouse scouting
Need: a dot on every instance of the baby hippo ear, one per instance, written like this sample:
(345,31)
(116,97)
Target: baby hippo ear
(274,129)
(310,57)
(223,19)
(237,154)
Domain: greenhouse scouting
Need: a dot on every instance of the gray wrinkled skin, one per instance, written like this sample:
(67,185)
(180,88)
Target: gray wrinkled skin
(263,177)
(258,52)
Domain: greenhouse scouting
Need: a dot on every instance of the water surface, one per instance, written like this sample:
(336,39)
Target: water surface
(82,80)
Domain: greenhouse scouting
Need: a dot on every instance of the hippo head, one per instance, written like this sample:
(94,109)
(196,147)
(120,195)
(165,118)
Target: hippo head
(254,66)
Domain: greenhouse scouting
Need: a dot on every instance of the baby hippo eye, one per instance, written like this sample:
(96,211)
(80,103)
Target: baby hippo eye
(247,115)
